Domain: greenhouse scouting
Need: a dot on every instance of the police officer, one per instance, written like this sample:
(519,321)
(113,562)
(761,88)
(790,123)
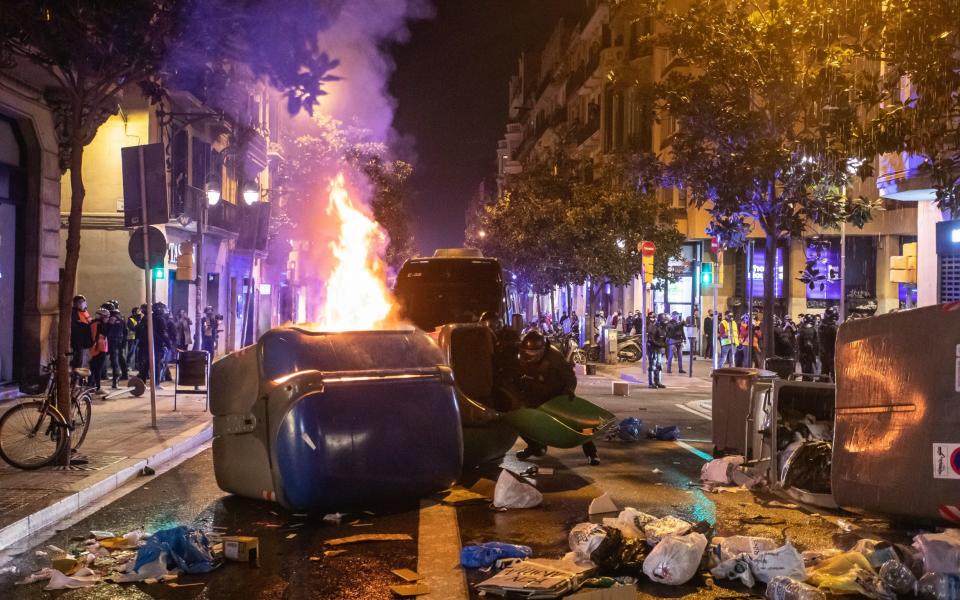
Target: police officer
(506,366)
(807,345)
(545,374)
(656,344)
(827,334)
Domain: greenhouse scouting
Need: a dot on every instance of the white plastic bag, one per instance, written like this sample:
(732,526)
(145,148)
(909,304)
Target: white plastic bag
(941,551)
(785,561)
(512,491)
(584,539)
(734,546)
(655,530)
(720,470)
(734,569)
(675,559)
(631,522)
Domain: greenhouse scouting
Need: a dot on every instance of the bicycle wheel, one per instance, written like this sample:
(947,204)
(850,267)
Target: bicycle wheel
(81,409)
(32,435)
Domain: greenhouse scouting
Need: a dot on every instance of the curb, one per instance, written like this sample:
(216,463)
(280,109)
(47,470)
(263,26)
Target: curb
(101,483)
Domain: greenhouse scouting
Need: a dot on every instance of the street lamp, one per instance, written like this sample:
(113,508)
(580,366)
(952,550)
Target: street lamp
(482,234)
(213,195)
(251,196)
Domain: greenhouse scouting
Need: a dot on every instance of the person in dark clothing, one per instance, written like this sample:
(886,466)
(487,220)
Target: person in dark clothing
(827,338)
(544,375)
(170,346)
(209,330)
(506,366)
(675,339)
(116,340)
(708,335)
(80,337)
(143,353)
(784,344)
(100,333)
(656,344)
(807,345)
(131,344)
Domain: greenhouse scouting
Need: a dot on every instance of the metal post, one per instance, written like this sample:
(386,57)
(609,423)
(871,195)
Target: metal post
(748,356)
(716,314)
(148,289)
(843,271)
(643,317)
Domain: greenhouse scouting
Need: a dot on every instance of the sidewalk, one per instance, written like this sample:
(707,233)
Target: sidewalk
(119,444)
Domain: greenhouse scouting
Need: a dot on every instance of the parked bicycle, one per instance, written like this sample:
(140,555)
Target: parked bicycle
(34,432)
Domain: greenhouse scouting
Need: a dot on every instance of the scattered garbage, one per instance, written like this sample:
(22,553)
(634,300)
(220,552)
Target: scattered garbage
(784,588)
(657,529)
(601,505)
(939,586)
(56,580)
(407,574)
(784,561)
(369,537)
(179,547)
(669,433)
(877,552)
(459,496)
(675,559)
(849,573)
(898,577)
(940,551)
(537,579)
(410,590)
(630,429)
(808,467)
(630,522)
(513,491)
(719,470)
(242,548)
(615,554)
(484,555)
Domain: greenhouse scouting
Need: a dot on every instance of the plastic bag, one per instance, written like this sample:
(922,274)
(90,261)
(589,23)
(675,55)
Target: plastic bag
(186,549)
(720,470)
(669,433)
(513,491)
(784,588)
(733,546)
(785,561)
(941,551)
(614,553)
(629,429)
(898,577)
(484,555)
(737,568)
(584,539)
(58,581)
(654,531)
(675,560)
(939,586)
(877,552)
(850,573)
(808,468)
(631,522)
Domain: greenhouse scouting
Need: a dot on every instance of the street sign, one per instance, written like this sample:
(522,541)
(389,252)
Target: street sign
(647,248)
(714,245)
(158,248)
(144,182)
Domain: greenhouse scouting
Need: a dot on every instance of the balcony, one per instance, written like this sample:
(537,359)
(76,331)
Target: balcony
(585,131)
(224,219)
(586,73)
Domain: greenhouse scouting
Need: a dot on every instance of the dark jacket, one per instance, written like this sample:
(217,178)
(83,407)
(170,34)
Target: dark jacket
(551,377)
(675,331)
(807,340)
(656,337)
(117,332)
(828,338)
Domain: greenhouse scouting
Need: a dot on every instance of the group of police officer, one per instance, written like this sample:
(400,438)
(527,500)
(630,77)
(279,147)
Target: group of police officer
(811,339)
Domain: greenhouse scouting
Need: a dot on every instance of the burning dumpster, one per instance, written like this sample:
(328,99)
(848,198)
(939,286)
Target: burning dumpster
(318,420)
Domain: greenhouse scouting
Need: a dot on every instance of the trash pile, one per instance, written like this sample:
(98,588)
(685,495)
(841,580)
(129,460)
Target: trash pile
(631,429)
(804,451)
(727,472)
(669,550)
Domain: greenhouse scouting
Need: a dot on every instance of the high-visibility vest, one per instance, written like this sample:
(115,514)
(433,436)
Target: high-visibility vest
(728,333)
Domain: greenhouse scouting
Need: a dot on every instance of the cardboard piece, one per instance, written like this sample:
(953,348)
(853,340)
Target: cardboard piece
(369,537)
(411,590)
(602,504)
(459,496)
(532,579)
(620,388)
(620,592)
(407,574)
(242,548)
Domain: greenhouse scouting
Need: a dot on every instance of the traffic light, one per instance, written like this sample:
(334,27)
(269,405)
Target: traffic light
(648,269)
(707,275)
(158,273)
(185,271)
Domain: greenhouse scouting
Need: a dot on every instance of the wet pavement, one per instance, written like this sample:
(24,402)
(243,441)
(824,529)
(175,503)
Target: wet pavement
(657,477)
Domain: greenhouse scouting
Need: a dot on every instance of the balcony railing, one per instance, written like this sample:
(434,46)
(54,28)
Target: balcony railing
(225,217)
(583,132)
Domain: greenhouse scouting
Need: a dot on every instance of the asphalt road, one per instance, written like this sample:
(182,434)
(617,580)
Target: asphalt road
(653,476)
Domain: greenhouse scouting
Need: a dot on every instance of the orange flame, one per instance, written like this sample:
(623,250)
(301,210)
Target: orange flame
(356,291)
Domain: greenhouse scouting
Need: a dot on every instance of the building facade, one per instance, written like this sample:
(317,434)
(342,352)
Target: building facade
(581,95)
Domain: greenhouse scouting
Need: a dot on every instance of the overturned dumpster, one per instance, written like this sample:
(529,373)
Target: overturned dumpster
(328,420)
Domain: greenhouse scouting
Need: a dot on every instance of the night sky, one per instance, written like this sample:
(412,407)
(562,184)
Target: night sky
(451,89)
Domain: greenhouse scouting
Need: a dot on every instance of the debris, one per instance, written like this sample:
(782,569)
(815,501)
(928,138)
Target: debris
(815,557)
(537,579)
(407,591)
(290,536)
(665,434)
(675,559)
(808,467)
(784,588)
(301,514)
(483,555)
(630,429)
(369,537)
(332,553)
(315,558)
(602,504)
(334,518)
(898,577)
(459,496)
(407,574)
(513,491)
(40,553)
(941,551)
(243,548)
(762,520)
(719,470)
(67,564)
(785,561)
(736,568)
(174,584)
(845,525)
(876,551)
(657,529)
(179,548)
(359,524)
(778,504)
(616,553)
(102,535)
(656,471)
(733,546)
(849,573)
(630,522)
(940,586)
(58,581)
(147,471)
(584,538)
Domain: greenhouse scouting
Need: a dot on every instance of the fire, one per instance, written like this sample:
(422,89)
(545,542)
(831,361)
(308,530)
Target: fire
(356,292)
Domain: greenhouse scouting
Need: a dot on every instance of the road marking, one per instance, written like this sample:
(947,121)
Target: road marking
(438,551)
(695,451)
(699,413)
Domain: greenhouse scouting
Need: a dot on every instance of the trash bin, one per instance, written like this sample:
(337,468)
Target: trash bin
(610,345)
(732,397)
(780,365)
(897,438)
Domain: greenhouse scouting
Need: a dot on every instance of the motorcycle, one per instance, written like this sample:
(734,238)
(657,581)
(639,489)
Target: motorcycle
(571,350)
(628,349)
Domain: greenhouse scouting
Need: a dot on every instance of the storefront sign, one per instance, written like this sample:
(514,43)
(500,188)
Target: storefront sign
(827,257)
(759,266)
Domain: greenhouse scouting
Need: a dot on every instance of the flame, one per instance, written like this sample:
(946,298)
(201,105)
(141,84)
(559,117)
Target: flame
(356,291)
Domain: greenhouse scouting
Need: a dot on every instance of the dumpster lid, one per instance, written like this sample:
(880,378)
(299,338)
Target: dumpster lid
(738,372)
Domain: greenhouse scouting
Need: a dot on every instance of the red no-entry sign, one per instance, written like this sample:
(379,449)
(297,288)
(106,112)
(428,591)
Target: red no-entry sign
(714,245)
(647,248)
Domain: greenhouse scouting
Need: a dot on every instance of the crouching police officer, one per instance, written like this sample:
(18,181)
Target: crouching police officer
(545,374)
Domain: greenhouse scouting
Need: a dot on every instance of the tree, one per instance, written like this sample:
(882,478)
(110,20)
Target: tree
(554,230)
(92,50)
(331,146)
(770,106)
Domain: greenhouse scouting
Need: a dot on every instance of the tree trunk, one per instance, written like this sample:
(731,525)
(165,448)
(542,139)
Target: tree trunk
(588,321)
(69,273)
(769,279)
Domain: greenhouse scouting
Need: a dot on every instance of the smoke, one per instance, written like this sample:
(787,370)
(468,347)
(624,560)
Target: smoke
(359,37)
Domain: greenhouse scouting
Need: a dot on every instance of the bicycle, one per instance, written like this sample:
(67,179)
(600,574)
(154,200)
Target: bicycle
(34,432)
